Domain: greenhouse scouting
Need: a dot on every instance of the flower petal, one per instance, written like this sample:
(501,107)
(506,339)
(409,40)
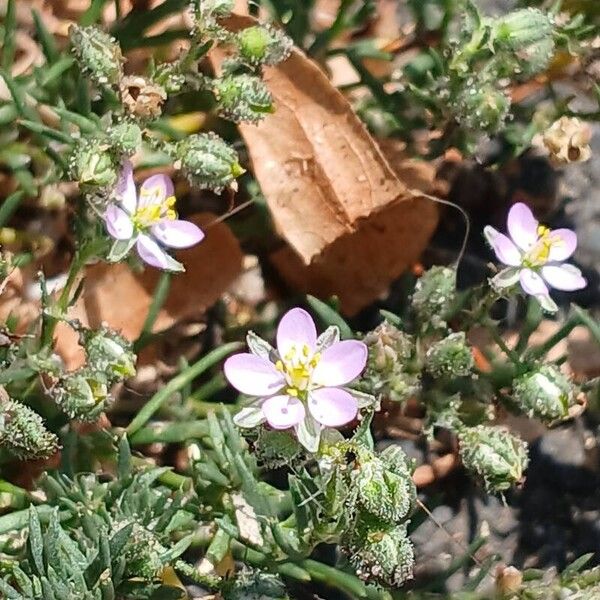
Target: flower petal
(249,416)
(253,375)
(125,192)
(502,245)
(332,406)
(282,412)
(151,253)
(532,283)
(177,233)
(506,278)
(522,226)
(155,190)
(118,223)
(341,363)
(296,329)
(564,277)
(563,244)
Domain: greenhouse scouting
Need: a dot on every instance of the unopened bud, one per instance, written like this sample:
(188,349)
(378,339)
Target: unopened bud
(496,456)
(98,53)
(82,394)
(93,164)
(243,98)
(521,28)
(434,294)
(109,352)
(544,393)
(481,107)
(450,357)
(263,45)
(508,581)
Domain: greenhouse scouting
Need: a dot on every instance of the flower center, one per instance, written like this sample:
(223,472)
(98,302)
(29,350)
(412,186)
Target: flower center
(151,213)
(297,366)
(540,253)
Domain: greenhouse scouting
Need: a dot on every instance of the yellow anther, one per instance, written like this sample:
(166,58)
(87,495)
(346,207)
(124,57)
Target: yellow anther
(170,201)
(171,214)
(305,350)
(279,366)
(292,392)
(542,231)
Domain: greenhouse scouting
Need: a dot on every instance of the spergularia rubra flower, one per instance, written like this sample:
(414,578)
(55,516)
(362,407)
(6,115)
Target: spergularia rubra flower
(534,256)
(148,220)
(299,385)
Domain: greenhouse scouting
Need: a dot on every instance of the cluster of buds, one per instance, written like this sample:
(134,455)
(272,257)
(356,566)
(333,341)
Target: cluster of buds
(434,295)
(391,371)
(545,393)
(243,97)
(22,430)
(450,357)
(207,161)
(494,455)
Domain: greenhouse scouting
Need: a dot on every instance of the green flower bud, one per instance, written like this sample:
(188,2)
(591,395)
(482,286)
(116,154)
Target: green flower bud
(22,431)
(243,98)
(82,394)
(495,455)
(126,137)
(381,552)
(97,53)
(434,294)
(263,45)
(215,8)
(257,585)
(450,357)
(545,393)
(92,163)
(142,554)
(481,107)
(208,161)
(521,28)
(109,352)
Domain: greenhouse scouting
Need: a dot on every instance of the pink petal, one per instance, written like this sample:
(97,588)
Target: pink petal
(282,412)
(502,245)
(151,253)
(296,329)
(253,375)
(564,277)
(125,188)
(522,226)
(341,363)
(532,283)
(563,244)
(155,190)
(177,233)
(332,406)
(118,223)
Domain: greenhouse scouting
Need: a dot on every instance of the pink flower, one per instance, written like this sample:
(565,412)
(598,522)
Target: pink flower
(148,220)
(299,385)
(535,256)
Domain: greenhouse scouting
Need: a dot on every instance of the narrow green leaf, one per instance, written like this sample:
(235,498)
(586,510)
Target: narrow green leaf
(35,541)
(329,316)
(8,207)
(10,26)
(45,38)
(48,132)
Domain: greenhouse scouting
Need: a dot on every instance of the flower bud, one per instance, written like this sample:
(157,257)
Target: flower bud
(108,352)
(434,294)
(495,455)
(481,107)
(22,431)
(93,164)
(257,585)
(544,393)
(450,357)
(381,552)
(142,554)
(263,45)
(126,137)
(142,97)
(208,161)
(215,8)
(568,140)
(521,28)
(97,53)
(82,394)
(243,98)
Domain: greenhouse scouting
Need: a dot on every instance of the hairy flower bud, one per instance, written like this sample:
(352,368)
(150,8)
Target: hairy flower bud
(142,554)
(22,431)
(495,455)
(434,293)
(243,97)
(213,8)
(82,394)
(481,107)
(263,45)
(450,357)
(92,163)
(521,28)
(142,97)
(544,393)
(208,161)
(381,552)
(97,53)
(568,140)
(257,585)
(109,352)
(126,137)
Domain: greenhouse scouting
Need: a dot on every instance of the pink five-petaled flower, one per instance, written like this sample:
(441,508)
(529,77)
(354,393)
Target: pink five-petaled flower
(534,256)
(148,220)
(300,383)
